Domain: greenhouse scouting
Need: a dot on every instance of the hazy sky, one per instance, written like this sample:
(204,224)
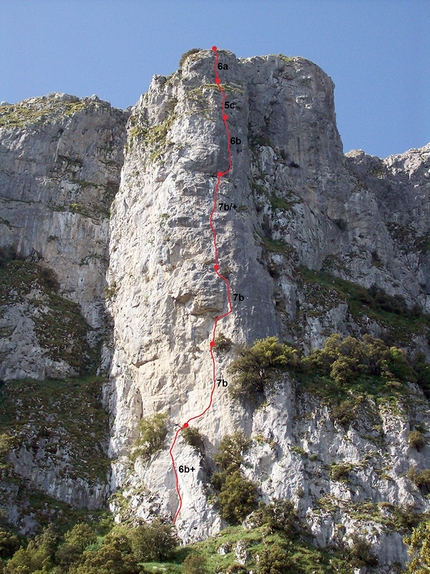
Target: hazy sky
(376,51)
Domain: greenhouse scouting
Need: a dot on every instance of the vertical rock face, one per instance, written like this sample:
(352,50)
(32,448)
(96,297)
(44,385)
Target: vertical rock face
(300,206)
(60,161)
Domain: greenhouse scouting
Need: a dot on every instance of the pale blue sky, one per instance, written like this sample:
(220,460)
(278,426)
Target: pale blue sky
(376,51)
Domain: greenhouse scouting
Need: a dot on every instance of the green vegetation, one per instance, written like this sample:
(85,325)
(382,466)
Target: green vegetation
(360,553)
(349,374)
(278,516)
(186,54)
(421,478)
(154,543)
(59,417)
(276,543)
(194,563)
(408,239)
(256,367)
(275,559)
(340,472)
(275,245)
(153,138)
(393,518)
(9,544)
(236,495)
(222,343)
(391,312)
(90,548)
(152,434)
(193,437)
(286,58)
(60,328)
(281,203)
(417,440)
(258,140)
(62,426)
(346,373)
(41,111)
(110,290)
(270,551)
(419,549)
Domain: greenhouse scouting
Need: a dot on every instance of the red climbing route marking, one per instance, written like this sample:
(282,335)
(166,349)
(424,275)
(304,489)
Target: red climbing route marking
(220,174)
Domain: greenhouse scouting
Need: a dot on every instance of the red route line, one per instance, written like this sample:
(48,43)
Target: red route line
(220,174)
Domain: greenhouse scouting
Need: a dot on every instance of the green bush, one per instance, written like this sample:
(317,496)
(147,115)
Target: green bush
(237,497)
(39,554)
(9,543)
(416,440)
(67,554)
(81,536)
(115,556)
(275,560)
(360,553)
(194,564)
(340,472)
(256,367)
(193,437)
(152,435)
(344,412)
(406,517)
(231,450)
(421,478)
(6,443)
(399,366)
(154,542)
(345,359)
(186,54)
(419,549)
(342,360)
(76,541)
(422,372)
(279,516)
(222,343)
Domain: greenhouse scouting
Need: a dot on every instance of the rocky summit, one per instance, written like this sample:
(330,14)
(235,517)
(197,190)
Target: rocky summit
(109,296)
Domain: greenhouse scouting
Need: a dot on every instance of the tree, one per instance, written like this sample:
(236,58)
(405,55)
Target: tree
(9,543)
(67,554)
(76,541)
(237,497)
(275,560)
(416,440)
(152,434)
(231,450)
(115,556)
(194,564)
(422,371)
(81,536)
(193,437)
(39,554)
(360,553)
(154,542)
(280,516)
(256,367)
(419,549)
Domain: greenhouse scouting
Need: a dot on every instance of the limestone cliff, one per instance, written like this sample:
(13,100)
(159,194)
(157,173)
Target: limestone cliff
(317,243)
(60,162)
